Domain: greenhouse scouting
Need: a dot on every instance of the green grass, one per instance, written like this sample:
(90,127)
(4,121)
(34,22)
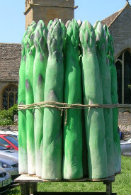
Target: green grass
(121,186)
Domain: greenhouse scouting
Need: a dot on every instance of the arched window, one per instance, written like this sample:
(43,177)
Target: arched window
(123,66)
(10,96)
(119,80)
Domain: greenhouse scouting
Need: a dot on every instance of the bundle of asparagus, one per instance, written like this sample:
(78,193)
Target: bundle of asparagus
(39,68)
(101,46)
(114,97)
(30,55)
(68,64)
(52,121)
(72,167)
(22,114)
(94,118)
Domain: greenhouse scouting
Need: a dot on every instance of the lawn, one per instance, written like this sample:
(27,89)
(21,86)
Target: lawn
(121,186)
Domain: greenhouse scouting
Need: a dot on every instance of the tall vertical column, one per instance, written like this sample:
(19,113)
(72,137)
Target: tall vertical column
(48,9)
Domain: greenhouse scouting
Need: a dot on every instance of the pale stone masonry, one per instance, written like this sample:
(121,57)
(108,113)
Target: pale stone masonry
(47,10)
(120,27)
(10,55)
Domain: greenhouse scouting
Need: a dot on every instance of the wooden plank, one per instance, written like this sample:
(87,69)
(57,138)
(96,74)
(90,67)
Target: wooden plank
(33,178)
(28,178)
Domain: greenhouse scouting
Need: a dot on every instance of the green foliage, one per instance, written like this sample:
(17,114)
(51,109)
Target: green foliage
(7,116)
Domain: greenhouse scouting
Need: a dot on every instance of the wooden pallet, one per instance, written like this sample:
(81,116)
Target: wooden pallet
(28,184)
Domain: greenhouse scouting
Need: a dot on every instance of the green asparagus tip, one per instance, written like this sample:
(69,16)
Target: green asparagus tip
(79,23)
(73,32)
(96,23)
(87,34)
(55,36)
(49,24)
(99,31)
(67,23)
(63,29)
(40,35)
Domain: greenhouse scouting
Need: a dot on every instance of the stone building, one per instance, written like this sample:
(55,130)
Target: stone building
(9,66)
(120,27)
(47,10)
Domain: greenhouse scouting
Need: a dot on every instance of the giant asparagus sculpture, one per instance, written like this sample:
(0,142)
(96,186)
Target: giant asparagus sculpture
(63,71)
(23,168)
(52,123)
(30,55)
(94,118)
(39,69)
(101,46)
(113,72)
(73,95)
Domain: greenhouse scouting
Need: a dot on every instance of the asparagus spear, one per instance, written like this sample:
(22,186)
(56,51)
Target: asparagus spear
(94,118)
(49,24)
(52,127)
(40,62)
(73,94)
(106,85)
(22,113)
(30,54)
(79,23)
(110,57)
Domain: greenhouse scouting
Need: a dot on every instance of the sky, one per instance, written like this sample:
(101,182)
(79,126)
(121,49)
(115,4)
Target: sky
(12,19)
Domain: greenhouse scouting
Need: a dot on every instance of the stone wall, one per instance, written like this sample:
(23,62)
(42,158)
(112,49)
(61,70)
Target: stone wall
(10,55)
(50,13)
(47,10)
(9,128)
(54,3)
(121,31)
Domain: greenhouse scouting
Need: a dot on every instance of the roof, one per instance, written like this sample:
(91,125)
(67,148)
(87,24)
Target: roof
(109,20)
(10,55)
